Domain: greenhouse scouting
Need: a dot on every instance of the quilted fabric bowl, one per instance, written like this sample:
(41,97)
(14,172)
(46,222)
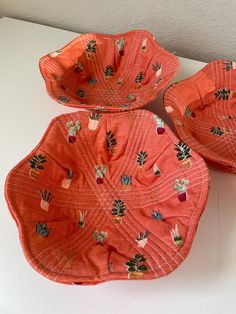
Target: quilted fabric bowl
(203,109)
(108,72)
(107,199)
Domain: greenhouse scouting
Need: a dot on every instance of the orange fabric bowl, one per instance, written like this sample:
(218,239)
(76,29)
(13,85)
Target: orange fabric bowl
(105,199)
(203,109)
(108,72)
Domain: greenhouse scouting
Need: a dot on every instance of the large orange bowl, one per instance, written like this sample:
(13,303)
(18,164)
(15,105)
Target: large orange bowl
(108,72)
(203,109)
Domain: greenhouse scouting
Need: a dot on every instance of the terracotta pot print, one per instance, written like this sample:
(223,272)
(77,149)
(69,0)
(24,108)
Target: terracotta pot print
(46,198)
(142,239)
(65,183)
(135,275)
(36,165)
(93,121)
(187,164)
(34,173)
(117,220)
(136,267)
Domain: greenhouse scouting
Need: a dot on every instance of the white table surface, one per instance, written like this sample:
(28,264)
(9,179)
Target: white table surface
(204,283)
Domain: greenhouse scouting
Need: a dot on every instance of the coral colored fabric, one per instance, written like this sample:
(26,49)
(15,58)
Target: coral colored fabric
(203,109)
(119,212)
(108,72)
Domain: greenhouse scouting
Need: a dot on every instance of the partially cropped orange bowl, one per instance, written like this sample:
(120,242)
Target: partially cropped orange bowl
(203,109)
(108,72)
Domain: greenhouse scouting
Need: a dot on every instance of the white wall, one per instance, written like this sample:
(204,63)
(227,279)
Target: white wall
(198,29)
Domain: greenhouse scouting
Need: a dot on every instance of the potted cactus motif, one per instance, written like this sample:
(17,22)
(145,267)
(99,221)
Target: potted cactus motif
(118,211)
(82,216)
(136,266)
(126,180)
(160,124)
(189,113)
(224,94)
(46,198)
(156,170)
(93,121)
(92,81)
(183,153)
(78,67)
(156,215)
(100,173)
(141,158)
(120,81)
(120,45)
(157,67)
(100,237)
(181,187)
(111,142)
(139,78)
(144,45)
(91,48)
(65,183)
(175,235)
(142,238)
(36,165)
(81,93)
(73,127)
(108,72)
(42,229)
(132,98)
(64,99)
(229,65)
(217,131)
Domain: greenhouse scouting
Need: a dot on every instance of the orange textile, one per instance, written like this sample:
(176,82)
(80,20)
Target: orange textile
(108,72)
(203,109)
(105,197)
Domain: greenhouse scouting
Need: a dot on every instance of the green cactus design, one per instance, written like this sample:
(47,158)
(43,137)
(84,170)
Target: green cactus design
(134,264)
(126,180)
(183,151)
(109,71)
(81,93)
(100,237)
(64,99)
(222,93)
(91,46)
(119,208)
(216,131)
(141,158)
(37,161)
(42,229)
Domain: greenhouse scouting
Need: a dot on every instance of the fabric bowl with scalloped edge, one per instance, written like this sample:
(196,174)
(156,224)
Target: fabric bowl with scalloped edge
(107,197)
(203,109)
(108,72)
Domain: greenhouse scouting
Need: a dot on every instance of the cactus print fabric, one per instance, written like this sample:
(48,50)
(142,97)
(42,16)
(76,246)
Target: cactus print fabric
(108,72)
(203,109)
(104,198)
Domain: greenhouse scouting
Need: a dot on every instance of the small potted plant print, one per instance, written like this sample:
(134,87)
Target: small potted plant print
(100,237)
(141,158)
(142,238)
(82,216)
(78,67)
(175,235)
(73,127)
(224,94)
(93,120)
(217,131)
(229,65)
(136,266)
(36,165)
(81,93)
(118,211)
(120,81)
(108,72)
(64,99)
(157,67)
(120,45)
(156,170)
(111,142)
(91,48)
(132,98)
(55,53)
(181,187)
(160,124)
(42,229)
(139,78)
(65,183)
(126,180)
(100,173)
(92,81)
(46,198)
(156,215)
(189,113)
(144,45)
(183,154)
